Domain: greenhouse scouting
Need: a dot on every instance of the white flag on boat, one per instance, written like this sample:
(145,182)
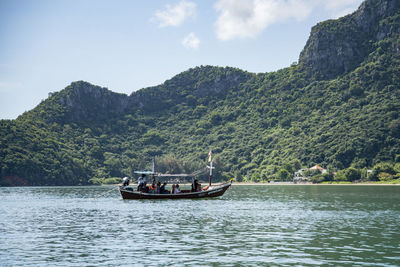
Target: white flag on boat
(209,156)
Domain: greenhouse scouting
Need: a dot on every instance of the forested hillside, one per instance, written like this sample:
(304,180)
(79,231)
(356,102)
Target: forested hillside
(337,107)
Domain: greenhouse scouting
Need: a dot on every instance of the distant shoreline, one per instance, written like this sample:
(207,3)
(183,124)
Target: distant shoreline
(291,183)
(234,184)
(288,183)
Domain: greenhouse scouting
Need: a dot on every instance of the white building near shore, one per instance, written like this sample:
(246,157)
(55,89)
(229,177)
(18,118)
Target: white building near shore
(300,177)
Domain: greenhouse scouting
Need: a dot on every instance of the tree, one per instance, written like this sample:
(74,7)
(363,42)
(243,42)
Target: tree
(383,167)
(283,174)
(384,176)
(169,164)
(352,174)
(153,137)
(114,166)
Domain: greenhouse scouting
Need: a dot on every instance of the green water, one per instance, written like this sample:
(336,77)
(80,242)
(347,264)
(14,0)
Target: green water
(249,226)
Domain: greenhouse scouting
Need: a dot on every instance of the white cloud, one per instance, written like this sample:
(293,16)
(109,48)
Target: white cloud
(342,13)
(338,4)
(340,8)
(191,41)
(175,15)
(243,19)
(248,18)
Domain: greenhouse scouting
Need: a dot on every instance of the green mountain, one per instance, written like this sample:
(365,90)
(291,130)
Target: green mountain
(338,107)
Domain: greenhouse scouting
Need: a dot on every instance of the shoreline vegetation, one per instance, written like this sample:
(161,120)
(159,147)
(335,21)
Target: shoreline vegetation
(272,183)
(332,183)
(394,182)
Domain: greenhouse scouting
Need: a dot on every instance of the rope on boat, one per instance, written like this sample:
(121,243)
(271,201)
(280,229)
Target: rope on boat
(199,171)
(102,194)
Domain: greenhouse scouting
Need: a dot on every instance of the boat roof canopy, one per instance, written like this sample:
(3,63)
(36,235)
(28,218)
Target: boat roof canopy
(164,175)
(174,175)
(144,172)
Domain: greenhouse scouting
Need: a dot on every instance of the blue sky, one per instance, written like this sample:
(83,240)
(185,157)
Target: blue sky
(127,45)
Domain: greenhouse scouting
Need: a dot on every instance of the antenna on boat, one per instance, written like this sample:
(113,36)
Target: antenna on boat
(154,164)
(211,166)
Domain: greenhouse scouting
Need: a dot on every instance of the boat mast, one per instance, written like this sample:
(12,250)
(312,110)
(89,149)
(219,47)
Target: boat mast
(211,166)
(154,169)
(154,164)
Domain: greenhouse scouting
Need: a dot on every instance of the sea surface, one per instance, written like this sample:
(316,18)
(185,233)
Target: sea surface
(271,225)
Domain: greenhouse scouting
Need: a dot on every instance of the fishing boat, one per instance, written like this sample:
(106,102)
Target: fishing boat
(212,191)
(217,190)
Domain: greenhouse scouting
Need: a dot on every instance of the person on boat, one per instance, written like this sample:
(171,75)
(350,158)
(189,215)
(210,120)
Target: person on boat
(196,187)
(173,189)
(145,188)
(163,190)
(158,188)
(125,181)
(152,188)
(141,181)
(177,190)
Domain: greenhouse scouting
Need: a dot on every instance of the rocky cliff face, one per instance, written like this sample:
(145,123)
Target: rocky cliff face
(338,46)
(83,102)
(202,82)
(86,101)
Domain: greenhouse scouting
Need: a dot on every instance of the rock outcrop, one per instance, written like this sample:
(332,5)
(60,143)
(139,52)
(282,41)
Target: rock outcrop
(339,46)
(86,101)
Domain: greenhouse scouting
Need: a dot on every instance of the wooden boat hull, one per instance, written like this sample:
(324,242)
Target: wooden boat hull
(215,191)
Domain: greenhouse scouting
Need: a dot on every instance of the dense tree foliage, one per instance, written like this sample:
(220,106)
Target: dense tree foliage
(261,126)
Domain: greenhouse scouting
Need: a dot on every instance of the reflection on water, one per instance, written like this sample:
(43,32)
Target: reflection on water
(249,225)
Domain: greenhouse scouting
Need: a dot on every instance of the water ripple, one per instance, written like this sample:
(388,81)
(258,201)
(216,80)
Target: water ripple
(266,225)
